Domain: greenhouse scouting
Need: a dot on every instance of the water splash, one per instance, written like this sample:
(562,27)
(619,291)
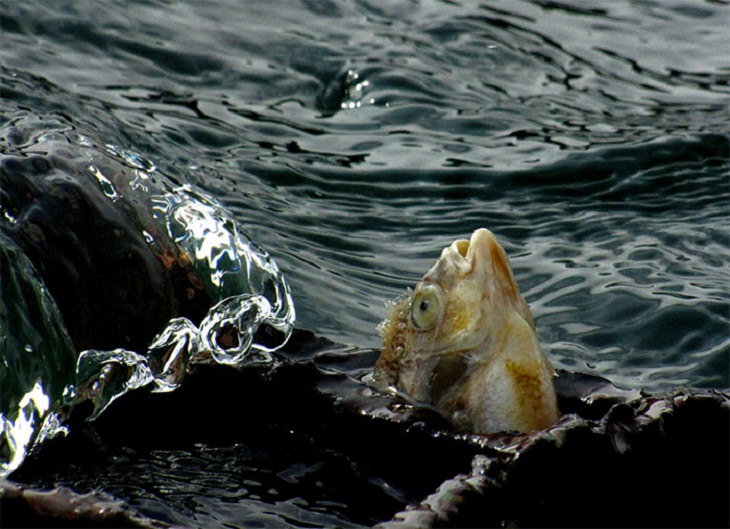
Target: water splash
(36,357)
(104,376)
(170,353)
(252,316)
(253,313)
(200,252)
(20,432)
(226,258)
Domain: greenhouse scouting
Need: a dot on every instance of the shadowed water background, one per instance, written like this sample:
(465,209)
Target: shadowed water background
(355,139)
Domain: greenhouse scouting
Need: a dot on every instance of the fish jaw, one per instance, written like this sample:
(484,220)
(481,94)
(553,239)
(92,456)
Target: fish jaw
(477,360)
(509,388)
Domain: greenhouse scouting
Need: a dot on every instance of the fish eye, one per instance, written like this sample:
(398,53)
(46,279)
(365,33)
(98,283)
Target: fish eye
(426,307)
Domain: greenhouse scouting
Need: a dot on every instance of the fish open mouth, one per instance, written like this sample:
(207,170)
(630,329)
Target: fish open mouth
(481,246)
(462,246)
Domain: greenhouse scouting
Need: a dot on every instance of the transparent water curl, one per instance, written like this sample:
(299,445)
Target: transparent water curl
(203,254)
(252,316)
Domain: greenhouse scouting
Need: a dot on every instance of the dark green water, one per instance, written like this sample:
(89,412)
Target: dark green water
(355,139)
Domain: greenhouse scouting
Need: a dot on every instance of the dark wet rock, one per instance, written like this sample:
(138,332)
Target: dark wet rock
(616,458)
(38,347)
(62,507)
(77,215)
(658,461)
(117,277)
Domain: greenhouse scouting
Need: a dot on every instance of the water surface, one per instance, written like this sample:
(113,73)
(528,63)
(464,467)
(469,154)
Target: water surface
(355,139)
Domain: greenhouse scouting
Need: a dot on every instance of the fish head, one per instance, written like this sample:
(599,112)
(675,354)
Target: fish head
(443,339)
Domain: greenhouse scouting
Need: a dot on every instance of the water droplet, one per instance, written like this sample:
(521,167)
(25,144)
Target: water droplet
(104,376)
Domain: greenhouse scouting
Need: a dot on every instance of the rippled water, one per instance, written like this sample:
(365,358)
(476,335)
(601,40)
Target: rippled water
(355,139)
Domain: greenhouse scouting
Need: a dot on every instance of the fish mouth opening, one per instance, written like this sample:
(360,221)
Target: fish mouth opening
(462,246)
(481,243)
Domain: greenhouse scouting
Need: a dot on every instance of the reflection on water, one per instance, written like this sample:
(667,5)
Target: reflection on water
(354,140)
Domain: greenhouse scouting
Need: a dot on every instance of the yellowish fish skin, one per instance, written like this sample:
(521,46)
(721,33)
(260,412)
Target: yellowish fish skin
(464,341)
